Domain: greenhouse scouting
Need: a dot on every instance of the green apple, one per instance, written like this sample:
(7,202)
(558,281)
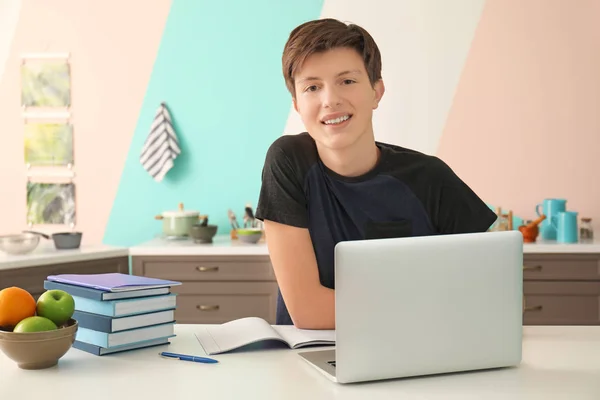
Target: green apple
(56,305)
(35,324)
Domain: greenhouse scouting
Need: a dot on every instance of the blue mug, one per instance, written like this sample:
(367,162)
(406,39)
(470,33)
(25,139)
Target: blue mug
(566,227)
(550,208)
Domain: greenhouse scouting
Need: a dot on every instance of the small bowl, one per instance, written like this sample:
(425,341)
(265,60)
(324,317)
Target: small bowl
(18,244)
(203,233)
(38,350)
(249,235)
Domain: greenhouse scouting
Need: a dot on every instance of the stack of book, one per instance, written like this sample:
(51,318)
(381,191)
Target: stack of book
(117,312)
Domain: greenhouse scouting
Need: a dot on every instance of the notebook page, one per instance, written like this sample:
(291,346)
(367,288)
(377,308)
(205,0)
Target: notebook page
(297,337)
(234,334)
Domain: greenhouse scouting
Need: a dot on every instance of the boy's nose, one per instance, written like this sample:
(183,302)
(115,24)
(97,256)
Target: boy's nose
(331,98)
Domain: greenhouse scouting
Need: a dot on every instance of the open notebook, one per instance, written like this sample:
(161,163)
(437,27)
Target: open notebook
(232,335)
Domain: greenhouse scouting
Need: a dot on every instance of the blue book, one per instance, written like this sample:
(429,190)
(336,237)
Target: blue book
(108,340)
(101,351)
(102,295)
(102,323)
(112,282)
(125,307)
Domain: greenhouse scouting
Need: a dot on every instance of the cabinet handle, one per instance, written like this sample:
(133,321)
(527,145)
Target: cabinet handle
(534,308)
(207,269)
(207,308)
(534,268)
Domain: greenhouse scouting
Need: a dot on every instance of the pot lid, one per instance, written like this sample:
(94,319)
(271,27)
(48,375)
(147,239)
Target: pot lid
(181,212)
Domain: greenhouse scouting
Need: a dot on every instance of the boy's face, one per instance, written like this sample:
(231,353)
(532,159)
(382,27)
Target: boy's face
(335,99)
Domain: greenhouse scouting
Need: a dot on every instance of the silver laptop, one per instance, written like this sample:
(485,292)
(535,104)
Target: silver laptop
(425,305)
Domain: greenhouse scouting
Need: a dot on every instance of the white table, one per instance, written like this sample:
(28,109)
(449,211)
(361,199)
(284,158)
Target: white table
(558,363)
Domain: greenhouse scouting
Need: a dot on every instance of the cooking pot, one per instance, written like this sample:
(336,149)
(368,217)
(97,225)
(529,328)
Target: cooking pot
(178,223)
(62,240)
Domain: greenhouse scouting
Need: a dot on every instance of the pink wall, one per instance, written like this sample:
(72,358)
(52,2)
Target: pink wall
(112,45)
(527,109)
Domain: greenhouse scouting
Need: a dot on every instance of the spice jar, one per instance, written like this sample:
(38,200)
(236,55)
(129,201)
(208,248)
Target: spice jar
(586,232)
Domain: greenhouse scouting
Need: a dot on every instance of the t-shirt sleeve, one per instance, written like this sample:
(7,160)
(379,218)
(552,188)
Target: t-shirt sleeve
(282,197)
(459,209)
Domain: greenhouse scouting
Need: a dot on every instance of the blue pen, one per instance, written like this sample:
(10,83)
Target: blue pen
(184,357)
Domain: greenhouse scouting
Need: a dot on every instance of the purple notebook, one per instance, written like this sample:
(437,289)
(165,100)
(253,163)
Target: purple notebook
(112,282)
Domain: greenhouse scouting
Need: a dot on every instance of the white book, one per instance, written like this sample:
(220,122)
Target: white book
(245,331)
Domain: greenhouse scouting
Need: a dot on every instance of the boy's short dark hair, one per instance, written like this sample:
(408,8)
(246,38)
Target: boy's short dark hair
(326,34)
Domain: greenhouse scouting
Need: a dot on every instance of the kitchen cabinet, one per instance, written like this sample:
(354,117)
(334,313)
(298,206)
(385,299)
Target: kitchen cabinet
(227,280)
(215,288)
(561,289)
(31,278)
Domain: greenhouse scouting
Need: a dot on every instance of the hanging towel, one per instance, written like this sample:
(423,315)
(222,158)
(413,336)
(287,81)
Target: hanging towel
(161,146)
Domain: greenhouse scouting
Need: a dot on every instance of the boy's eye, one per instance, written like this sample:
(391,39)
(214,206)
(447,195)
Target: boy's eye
(311,88)
(348,81)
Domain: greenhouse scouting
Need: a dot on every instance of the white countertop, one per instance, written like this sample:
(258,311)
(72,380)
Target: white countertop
(222,245)
(558,363)
(554,247)
(46,254)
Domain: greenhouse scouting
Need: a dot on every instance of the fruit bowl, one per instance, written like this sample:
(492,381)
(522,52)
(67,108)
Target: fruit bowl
(38,350)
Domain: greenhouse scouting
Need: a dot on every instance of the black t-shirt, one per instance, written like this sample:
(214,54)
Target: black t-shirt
(407,193)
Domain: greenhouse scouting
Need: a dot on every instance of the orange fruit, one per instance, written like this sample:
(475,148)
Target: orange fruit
(16,304)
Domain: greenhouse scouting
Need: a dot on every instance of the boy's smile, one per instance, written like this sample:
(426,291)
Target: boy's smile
(336,120)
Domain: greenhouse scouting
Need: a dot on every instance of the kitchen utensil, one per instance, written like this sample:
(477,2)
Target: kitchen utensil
(20,243)
(566,227)
(504,222)
(232,219)
(248,217)
(531,230)
(550,208)
(234,224)
(203,232)
(62,240)
(179,222)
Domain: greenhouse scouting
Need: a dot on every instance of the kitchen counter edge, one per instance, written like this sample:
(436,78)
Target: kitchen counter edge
(50,256)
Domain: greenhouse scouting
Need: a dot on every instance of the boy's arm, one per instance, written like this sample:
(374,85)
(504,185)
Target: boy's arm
(283,208)
(310,304)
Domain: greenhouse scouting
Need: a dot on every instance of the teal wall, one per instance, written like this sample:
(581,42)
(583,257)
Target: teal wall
(218,68)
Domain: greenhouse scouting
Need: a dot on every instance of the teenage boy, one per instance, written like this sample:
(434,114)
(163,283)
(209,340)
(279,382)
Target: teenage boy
(336,183)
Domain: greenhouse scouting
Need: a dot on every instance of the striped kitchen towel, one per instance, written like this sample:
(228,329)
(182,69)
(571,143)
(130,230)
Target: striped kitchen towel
(161,147)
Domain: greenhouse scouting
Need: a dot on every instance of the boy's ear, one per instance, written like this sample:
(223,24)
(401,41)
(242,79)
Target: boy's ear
(379,91)
(295,104)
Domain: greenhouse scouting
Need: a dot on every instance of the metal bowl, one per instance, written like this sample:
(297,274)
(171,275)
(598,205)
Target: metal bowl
(21,243)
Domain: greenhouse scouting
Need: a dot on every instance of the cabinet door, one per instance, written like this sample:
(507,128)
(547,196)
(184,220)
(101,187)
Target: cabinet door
(561,303)
(32,278)
(215,289)
(561,267)
(205,268)
(218,302)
